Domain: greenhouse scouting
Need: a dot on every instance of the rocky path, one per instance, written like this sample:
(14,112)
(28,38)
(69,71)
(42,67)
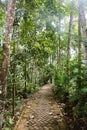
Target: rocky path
(42,112)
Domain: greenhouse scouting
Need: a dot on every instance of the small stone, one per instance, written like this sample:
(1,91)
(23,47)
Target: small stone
(50,113)
(65,114)
(51,107)
(27,122)
(63,105)
(61,115)
(59,120)
(31,117)
(55,117)
(28,107)
(35,127)
(49,102)
(46,128)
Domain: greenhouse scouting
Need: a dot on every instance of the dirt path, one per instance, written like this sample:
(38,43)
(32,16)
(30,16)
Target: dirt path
(42,112)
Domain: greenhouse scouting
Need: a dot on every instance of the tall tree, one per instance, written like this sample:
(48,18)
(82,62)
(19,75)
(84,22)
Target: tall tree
(79,54)
(6,53)
(84,30)
(59,44)
(69,41)
(59,38)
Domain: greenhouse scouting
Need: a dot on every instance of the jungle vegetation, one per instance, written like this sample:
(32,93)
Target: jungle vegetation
(43,41)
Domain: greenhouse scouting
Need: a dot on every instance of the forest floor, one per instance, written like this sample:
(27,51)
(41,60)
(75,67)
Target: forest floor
(42,112)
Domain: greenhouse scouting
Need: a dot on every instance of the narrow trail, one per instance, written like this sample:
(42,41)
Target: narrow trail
(42,112)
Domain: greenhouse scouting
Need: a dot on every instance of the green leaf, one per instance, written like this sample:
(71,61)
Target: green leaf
(10,121)
(84,90)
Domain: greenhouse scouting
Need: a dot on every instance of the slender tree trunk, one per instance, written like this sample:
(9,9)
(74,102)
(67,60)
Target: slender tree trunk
(14,81)
(6,53)
(84,31)
(79,54)
(68,45)
(59,50)
(59,39)
(14,87)
(59,44)
(25,72)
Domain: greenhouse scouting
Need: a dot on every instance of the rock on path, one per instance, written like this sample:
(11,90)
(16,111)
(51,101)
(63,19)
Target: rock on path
(42,112)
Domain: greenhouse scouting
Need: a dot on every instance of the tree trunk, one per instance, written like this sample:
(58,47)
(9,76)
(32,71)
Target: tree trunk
(14,81)
(14,87)
(59,44)
(25,72)
(59,50)
(84,31)
(6,52)
(79,54)
(68,46)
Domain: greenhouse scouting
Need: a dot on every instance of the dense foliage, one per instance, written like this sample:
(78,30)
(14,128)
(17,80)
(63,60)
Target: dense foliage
(44,50)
